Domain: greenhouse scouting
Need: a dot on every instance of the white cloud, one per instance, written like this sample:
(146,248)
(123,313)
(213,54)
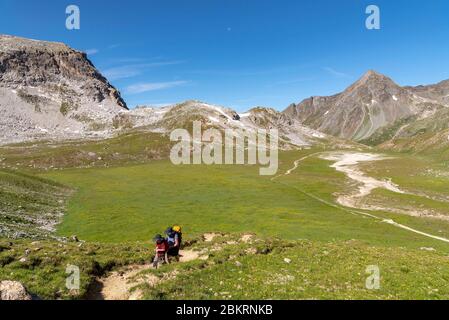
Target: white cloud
(153,86)
(121,72)
(336,73)
(129,71)
(91,52)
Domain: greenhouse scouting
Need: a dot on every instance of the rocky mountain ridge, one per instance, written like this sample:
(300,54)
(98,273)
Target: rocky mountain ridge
(373,102)
(49,91)
(182,115)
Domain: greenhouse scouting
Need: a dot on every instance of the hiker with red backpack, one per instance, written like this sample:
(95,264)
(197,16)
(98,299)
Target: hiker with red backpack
(161,254)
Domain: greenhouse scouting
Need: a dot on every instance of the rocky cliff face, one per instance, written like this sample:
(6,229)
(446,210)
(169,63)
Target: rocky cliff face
(30,63)
(48,89)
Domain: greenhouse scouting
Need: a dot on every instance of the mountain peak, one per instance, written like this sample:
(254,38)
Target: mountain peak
(373,75)
(373,80)
(372,72)
(370,103)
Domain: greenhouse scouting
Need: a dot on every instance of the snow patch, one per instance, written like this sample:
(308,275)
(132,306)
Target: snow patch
(213,119)
(220,111)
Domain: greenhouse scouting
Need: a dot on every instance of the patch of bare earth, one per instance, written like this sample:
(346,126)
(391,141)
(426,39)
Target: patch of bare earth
(209,237)
(119,284)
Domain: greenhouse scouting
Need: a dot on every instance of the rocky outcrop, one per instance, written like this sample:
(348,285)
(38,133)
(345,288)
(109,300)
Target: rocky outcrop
(13,290)
(31,63)
(50,91)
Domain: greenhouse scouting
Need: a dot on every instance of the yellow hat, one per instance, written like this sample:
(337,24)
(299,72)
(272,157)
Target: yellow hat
(177,229)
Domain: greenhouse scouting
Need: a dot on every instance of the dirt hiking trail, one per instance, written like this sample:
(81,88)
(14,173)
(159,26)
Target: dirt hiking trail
(118,284)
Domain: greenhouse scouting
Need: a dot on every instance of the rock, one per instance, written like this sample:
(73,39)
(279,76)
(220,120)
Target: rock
(287,260)
(238,264)
(246,238)
(13,290)
(74,239)
(251,251)
(27,252)
(59,84)
(428,249)
(23,260)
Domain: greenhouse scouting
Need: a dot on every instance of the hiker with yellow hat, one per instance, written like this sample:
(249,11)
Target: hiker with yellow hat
(174,239)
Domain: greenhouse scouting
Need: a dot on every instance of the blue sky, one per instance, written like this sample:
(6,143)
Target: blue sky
(243,53)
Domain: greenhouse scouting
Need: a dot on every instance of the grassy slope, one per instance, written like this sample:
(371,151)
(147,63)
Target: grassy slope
(427,136)
(43,271)
(131,148)
(335,270)
(236,270)
(28,203)
(387,133)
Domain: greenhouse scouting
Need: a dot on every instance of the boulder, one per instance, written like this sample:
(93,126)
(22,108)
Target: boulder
(13,290)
